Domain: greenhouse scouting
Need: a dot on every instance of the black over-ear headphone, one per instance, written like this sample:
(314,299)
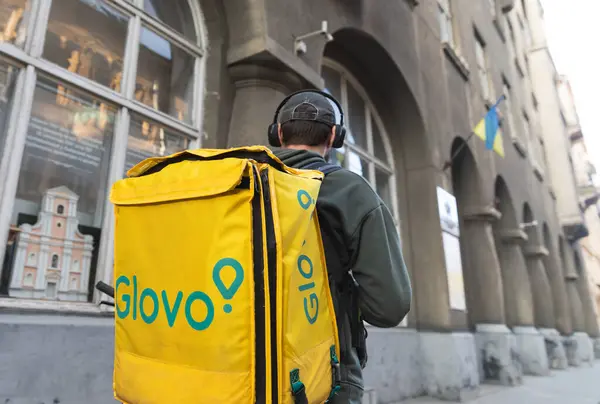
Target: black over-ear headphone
(339,129)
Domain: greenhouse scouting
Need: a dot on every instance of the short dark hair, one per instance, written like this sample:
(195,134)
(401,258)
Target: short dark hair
(308,133)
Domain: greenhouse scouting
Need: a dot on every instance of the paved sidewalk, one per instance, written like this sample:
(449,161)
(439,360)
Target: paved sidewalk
(573,386)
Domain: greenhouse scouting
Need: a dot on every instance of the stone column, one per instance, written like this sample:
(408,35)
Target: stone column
(496,344)
(448,357)
(556,278)
(587,303)
(540,286)
(579,345)
(518,302)
(258,92)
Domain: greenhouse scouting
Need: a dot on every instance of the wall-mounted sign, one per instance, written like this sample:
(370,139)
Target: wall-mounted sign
(448,211)
(449,222)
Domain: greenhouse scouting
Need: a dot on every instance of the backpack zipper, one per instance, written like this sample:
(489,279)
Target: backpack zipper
(259,293)
(272,273)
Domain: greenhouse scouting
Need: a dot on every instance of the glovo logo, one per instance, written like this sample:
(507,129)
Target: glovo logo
(150,305)
(306,269)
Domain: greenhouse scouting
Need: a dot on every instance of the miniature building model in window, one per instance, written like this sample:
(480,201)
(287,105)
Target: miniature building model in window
(53,258)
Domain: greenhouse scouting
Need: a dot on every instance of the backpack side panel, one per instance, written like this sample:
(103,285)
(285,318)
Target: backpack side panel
(306,323)
(185,290)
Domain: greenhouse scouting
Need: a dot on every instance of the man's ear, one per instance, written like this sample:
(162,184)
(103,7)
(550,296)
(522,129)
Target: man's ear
(331,138)
(280,134)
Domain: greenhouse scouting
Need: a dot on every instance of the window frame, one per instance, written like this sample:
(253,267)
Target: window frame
(483,71)
(369,154)
(445,12)
(32,65)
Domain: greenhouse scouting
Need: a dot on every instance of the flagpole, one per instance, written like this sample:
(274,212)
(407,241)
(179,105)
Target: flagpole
(448,163)
(462,146)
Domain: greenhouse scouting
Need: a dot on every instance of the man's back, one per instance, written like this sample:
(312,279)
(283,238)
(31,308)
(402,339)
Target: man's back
(359,234)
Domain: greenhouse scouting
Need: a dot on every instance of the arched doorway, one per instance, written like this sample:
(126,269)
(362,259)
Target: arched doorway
(394,156)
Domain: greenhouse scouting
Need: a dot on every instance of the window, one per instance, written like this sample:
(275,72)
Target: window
(492,7)
(512,40)
(114,82)
(13,20)
(28,281)
(87,38)
(482,69)
(54,263)
(366,151)
(527,133)
(446,23)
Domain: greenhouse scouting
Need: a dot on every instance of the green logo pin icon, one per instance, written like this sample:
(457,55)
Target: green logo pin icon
(228,292)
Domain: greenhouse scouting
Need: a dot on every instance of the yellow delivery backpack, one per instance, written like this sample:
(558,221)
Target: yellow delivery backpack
(222,292)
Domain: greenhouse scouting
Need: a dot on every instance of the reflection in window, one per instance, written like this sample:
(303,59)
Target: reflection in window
(379,149)
(165,76)
(31,260)
(358,165)
(8,77)
(13,16)
(355,111)
(174,13)
(148,139)
(87,38)
(333,82)
(68,144)
(382,181)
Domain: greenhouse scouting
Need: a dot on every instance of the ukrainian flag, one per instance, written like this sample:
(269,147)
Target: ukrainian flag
(488,130)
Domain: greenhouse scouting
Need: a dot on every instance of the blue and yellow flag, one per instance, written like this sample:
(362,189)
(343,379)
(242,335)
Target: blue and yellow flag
(488,130)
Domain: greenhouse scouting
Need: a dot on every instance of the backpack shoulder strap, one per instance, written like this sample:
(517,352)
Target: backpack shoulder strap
(323,166)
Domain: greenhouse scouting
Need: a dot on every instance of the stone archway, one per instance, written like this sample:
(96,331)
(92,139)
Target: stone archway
(369,67)
(481,267)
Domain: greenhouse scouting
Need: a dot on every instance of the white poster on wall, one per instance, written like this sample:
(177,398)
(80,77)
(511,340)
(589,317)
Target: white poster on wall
(448,211)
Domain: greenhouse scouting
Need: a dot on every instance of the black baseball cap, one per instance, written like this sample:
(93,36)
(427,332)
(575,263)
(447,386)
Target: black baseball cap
(318,108)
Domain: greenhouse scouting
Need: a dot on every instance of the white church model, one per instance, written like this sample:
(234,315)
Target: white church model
(53,258)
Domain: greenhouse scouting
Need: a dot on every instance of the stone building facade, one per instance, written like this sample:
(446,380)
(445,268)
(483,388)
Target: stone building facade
(88,88)
(588,190)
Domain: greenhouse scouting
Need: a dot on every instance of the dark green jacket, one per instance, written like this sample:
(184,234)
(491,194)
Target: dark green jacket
(361,235)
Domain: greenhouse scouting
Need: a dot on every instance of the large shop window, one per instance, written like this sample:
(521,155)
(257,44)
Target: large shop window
(141,64)
(367,150)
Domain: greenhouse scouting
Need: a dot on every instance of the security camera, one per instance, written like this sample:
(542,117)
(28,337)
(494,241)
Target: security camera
(300,47)
(325,31)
